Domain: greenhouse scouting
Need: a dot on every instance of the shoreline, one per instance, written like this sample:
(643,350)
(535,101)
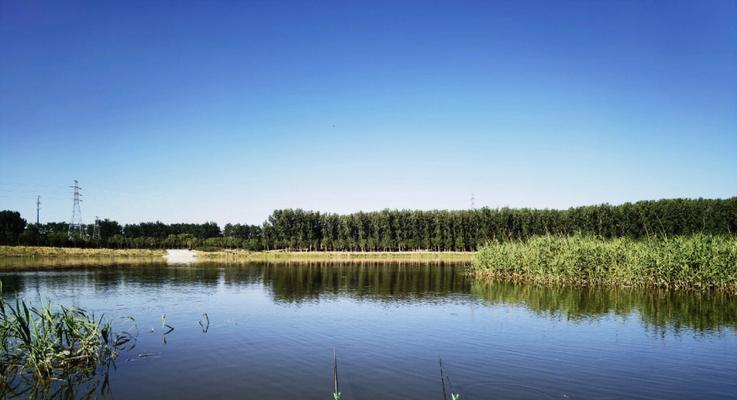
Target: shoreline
(697,262)
(335,256)
(43,251)
(32,252)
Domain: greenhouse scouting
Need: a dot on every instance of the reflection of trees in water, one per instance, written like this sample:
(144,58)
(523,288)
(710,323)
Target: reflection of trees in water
(12,284)
(659,309)
(238,274)
(295,283)
(700,311)
(106,278)
(35,263)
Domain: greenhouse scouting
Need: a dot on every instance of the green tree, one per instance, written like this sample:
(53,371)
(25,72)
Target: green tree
(11,226)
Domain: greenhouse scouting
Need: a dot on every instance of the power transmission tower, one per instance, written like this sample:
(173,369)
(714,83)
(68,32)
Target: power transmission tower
(473,201)
(76,229)
(96,231)
(38,210)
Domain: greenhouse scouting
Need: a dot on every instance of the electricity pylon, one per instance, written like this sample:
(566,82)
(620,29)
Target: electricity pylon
(76,229)
(96,231)
(38,210)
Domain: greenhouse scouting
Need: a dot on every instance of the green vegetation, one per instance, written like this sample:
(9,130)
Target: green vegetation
(465,230)
(40,345)
(397,230)
(11,226)
(336,391)
(698,261)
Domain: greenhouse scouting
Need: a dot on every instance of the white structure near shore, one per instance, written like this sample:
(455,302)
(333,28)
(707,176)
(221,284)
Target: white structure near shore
(179,256)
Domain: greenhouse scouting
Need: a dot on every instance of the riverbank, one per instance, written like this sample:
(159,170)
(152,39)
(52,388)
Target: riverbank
(682,262)
(334,256)
(242,255)
(40,251)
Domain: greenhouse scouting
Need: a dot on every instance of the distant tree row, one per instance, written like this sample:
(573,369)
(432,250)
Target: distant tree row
(395,230)
(464,230)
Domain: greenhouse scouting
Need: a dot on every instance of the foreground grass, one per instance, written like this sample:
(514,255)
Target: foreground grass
(39,251)
(40,345)
(698,262)
(330,256)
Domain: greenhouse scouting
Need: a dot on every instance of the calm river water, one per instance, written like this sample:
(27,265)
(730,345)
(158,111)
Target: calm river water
(273,328)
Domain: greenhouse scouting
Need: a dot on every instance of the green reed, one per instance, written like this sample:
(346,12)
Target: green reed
(698,261)
(42,343)
(336,390)
(445,380)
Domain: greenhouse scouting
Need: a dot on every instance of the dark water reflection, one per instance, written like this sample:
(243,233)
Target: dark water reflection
(371,281)
(273,329)
(664,309)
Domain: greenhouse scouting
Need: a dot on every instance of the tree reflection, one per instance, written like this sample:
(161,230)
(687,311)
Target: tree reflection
(386,282)
(702,311)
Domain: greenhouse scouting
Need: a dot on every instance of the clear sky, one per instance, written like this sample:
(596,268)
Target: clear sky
(189,111)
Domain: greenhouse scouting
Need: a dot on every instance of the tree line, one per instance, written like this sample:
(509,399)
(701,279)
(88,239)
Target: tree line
(395,230)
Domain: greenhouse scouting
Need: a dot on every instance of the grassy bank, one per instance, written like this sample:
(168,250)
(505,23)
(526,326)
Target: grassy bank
(240,255)
(38,251)
(699,261)
(330,256)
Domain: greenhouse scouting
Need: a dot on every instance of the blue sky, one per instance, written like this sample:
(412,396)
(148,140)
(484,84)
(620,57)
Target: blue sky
(226,110)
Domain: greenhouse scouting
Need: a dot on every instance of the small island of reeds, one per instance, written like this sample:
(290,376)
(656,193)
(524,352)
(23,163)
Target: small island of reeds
(699,261)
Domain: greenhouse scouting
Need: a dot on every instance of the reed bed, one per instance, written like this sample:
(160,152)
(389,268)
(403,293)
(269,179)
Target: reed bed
(698,261)
(42,344)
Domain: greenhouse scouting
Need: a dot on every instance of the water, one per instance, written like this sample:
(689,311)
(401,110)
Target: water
(273,330)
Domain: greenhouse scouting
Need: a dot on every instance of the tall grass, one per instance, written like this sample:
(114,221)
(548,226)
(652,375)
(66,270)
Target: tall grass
(699,261)
(42,344)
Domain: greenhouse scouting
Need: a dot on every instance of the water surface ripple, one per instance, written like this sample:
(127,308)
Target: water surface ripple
(273,329)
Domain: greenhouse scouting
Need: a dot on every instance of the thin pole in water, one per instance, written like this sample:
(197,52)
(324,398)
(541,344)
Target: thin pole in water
(442,379)
(335,373)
